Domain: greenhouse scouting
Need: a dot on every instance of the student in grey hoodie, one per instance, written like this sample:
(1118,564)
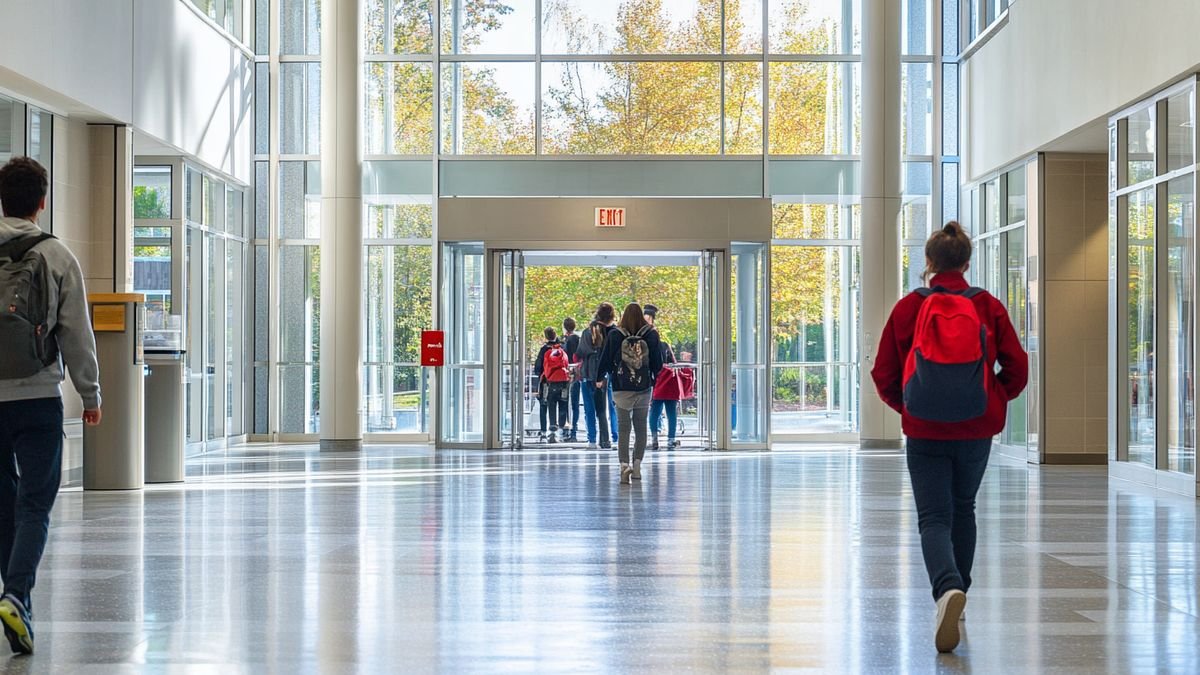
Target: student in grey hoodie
(31,408)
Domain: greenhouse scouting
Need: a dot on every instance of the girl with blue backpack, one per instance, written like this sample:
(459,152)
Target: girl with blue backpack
(936,366)
(632,355)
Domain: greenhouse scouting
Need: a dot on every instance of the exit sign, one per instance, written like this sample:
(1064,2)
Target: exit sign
(610,217)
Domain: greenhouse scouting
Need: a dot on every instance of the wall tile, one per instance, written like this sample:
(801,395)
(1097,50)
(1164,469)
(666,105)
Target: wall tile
(1095,434)
(1098,166)
(1095,310)
(1065,394)
(1095,352)
(1063,433)
(1095,265)
(1096,378)
(1096,404)
(1057,166)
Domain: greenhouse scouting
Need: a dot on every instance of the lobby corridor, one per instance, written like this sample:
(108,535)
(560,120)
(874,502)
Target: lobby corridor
(280,559)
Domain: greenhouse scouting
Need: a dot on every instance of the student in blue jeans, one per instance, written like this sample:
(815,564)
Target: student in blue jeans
(597,415)
(948,453)
(31,404)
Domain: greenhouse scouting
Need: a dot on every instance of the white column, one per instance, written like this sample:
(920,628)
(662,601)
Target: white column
(341,227)
(880,203)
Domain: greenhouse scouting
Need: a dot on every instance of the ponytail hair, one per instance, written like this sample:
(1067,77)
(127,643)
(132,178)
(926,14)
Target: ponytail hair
(949,249)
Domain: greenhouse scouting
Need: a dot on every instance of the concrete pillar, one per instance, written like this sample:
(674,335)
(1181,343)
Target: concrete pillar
(341,227)
(880,427)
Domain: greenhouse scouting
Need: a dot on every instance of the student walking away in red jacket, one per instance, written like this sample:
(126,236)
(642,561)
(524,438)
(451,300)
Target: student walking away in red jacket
(554,384)
(936,366)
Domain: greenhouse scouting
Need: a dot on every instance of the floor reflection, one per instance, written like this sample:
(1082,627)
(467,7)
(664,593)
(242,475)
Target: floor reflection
(402,559)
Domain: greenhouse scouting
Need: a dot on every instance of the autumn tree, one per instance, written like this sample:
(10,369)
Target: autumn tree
(553,293)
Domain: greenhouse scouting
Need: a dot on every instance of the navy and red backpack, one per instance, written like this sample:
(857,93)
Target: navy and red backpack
(946,372)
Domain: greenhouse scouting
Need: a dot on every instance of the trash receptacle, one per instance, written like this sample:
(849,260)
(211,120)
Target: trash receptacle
(165,387)
(113,456)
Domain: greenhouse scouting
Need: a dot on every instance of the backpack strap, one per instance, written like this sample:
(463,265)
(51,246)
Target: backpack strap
(16,249)
(970,292)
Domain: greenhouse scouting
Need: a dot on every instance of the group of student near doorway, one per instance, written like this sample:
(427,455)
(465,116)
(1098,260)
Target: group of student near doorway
(621,370)
(949,362)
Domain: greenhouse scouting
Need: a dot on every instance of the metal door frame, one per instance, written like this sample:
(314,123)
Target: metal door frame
(713,359)
(505,297)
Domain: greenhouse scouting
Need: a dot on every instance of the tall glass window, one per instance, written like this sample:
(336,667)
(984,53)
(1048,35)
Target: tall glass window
(999,218)
(1142,327)
(1181,309)
(815,299)
(686,78)
(398,306)
(614,77)
(1152,198)
(228,14)
(981,14)
(284,254)
(1140,146)
(153,235)
(214,287)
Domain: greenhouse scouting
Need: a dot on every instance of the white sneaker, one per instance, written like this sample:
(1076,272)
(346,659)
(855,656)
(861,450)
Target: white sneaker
(626,473)
(637,469)
(593,446)
(949,609)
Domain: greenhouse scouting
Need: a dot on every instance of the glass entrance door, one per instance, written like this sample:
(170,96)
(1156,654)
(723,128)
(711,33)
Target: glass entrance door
(460,418)
(511,392)
(749,411)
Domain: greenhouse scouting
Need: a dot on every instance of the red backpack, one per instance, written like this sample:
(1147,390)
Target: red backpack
(946,372)
(555,365)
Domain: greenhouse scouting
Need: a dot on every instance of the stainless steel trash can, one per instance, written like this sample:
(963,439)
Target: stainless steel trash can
(164,415)
(113,451)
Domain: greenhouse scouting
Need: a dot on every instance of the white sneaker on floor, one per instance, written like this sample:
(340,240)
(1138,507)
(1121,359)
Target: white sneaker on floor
(949,610)
(593,446)
(626,474)
(637,469)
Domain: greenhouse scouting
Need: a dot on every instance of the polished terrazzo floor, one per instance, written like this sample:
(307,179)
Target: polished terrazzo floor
(280,560)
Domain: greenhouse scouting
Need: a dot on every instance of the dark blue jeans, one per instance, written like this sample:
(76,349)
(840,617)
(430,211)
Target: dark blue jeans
(31,445)
(945,478)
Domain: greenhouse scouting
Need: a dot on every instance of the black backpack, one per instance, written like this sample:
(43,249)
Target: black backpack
(27,343)
(633,362)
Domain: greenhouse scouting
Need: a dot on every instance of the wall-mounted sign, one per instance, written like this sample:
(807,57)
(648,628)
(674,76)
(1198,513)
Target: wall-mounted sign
(433,348)
(610,217)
